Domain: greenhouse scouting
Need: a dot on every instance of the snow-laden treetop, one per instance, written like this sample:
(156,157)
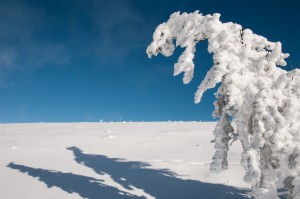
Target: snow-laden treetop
(263,99)
(229,43)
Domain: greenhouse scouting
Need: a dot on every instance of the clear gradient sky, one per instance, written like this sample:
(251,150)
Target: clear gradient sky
(85,60)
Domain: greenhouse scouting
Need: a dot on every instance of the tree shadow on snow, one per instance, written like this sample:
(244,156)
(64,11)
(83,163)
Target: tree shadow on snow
(86,187)
(160,183)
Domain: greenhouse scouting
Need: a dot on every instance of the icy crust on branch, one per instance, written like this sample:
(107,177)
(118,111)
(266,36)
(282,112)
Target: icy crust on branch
(263,99)
(225,42)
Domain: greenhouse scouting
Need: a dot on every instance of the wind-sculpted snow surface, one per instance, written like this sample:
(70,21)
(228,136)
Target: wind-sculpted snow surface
(263,100)
(114,160)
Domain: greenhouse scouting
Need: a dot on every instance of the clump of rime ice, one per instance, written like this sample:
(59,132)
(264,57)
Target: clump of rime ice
(263,100)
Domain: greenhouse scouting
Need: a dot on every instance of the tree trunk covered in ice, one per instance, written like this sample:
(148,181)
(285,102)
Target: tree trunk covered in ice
(262,99)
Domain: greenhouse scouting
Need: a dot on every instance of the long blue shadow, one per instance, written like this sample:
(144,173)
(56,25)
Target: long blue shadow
(86,187)
(162,184)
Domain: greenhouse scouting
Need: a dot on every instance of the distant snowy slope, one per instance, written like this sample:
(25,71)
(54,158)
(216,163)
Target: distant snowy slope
(114,160)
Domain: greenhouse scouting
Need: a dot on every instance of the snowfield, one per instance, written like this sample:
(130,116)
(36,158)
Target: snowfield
(163,160)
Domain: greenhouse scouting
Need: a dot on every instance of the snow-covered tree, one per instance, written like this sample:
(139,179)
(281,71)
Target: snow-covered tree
(262,99)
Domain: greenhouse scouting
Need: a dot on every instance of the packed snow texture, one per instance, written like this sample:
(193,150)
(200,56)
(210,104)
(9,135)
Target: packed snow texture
(262,99)
(114,161)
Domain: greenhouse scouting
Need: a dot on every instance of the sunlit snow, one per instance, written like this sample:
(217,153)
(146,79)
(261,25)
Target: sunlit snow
(114,161)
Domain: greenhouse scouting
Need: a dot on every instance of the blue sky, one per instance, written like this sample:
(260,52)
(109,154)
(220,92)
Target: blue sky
(85,60)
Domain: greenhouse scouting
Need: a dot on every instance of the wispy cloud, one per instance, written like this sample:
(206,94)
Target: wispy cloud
(21,48)
(46,34)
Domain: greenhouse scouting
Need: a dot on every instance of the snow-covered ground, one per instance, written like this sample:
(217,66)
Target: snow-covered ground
(114,161)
